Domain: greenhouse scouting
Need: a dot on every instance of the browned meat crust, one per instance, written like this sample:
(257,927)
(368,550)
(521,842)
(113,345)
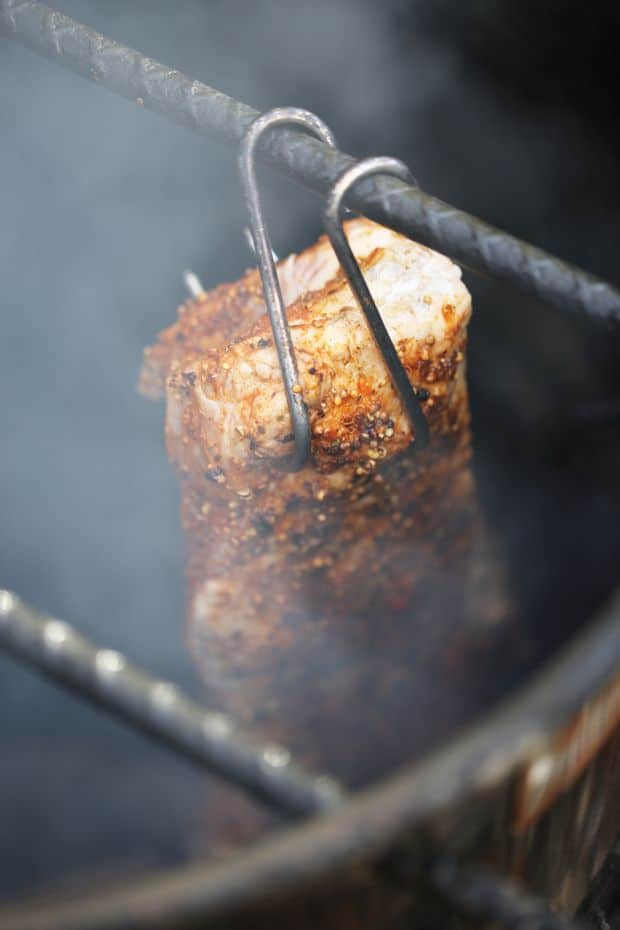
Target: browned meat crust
(326,604)
(209,322)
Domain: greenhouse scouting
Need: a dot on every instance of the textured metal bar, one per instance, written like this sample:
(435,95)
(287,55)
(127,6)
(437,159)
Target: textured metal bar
(395,204)
(106,677)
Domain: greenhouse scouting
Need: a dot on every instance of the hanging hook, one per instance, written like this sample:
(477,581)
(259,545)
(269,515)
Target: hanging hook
(247,233)
(333,224)
(267,268)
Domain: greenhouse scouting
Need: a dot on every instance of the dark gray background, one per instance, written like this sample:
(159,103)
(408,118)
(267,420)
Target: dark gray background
(102,205)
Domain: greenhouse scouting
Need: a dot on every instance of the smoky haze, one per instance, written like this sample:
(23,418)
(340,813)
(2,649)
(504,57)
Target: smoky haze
(102,206)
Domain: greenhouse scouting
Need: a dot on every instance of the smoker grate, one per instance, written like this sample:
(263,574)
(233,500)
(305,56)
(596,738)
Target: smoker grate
(372,821)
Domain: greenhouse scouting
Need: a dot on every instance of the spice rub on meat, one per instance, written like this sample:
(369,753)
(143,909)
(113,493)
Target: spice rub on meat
(323,599)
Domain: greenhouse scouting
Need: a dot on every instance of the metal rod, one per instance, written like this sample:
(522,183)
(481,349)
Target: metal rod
(106,678)
(333,224)
(193,283)
(269,276)
(369,825)
(249,238)
(205,892)
(394,203)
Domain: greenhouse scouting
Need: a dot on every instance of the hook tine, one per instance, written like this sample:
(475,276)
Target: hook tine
(193,283)
(269,276)
(249,238)
(333,224)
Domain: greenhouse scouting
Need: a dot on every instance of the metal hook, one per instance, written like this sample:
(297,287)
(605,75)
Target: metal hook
(267,268)
(247,232)
(333,224)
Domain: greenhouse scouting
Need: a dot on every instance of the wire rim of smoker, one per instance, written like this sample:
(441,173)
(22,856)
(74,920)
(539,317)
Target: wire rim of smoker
(370,823)
(375,818)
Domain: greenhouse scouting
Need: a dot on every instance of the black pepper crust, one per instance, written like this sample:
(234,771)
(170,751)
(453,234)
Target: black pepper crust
(324,599)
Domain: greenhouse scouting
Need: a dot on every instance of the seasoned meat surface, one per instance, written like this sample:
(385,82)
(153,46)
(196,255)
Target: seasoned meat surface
(327,603)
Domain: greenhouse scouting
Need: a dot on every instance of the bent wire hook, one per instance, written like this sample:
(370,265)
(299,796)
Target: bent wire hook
(332,217)
(269,276)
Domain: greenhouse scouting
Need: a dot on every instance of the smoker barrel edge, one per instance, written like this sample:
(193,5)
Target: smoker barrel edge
(462,781)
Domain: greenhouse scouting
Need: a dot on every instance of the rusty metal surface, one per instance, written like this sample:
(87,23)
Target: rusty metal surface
(561,852)
(601,906)
(404,208)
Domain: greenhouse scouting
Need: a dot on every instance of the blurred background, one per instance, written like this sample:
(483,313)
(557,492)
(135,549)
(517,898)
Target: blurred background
(505,108)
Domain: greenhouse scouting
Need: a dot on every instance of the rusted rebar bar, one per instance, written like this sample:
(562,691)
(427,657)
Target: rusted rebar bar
(394,203)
